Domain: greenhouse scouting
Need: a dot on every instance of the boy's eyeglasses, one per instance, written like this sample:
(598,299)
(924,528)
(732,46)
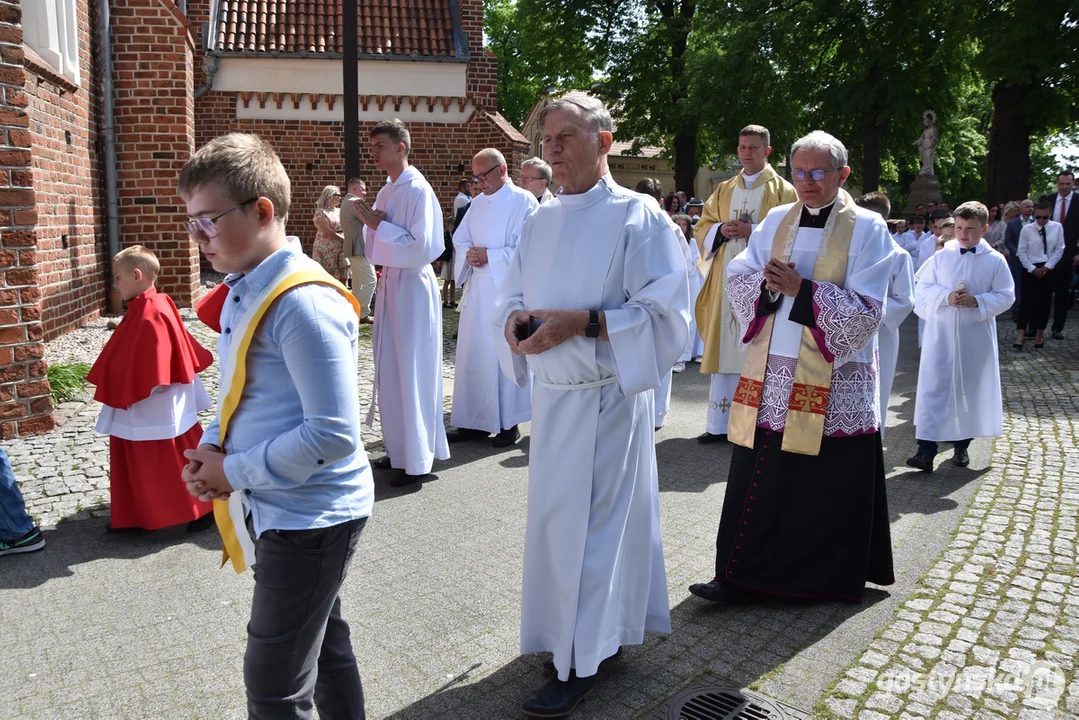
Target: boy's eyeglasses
(206,227)
(1041,217)
(815,175)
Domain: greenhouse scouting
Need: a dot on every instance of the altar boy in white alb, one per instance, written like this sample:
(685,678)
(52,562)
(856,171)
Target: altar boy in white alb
(403,234)
(613,324)
(959,292)
(484,400)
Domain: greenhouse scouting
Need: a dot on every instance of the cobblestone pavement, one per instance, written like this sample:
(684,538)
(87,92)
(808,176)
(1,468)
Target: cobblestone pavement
(65,475)
(101,626)
(992,629)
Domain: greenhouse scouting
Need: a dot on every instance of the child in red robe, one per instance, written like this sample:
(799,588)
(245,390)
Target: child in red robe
(147,379)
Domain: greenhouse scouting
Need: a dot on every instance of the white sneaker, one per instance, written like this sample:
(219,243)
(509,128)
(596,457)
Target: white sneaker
(679,366)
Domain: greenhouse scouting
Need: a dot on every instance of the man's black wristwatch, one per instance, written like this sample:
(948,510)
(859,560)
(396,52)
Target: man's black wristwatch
(592,328)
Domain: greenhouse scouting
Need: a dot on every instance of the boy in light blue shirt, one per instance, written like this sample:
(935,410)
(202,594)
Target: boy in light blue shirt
(288,439)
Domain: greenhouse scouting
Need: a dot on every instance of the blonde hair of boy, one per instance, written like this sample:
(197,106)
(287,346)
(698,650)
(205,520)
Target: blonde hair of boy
(243,167)
(137,257)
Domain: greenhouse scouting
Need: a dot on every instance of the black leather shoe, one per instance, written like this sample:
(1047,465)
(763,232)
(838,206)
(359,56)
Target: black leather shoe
(383,463)
(717,592)
(204,522)
(557,699)
(506,438)
(961,458)
(463,434)
(550,669)
(707,438)
(403,479)
(1057,335)
(921,462)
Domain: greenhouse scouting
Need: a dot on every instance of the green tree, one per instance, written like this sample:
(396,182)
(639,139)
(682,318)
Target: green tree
(1029,56)
(541,45)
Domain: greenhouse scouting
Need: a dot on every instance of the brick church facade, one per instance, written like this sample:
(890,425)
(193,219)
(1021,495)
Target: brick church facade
(181,75)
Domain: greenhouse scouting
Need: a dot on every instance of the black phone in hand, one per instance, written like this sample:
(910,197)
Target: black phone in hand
(527,330)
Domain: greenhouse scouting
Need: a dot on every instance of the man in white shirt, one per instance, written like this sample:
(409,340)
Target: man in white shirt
(484,400)
(1065,213)
(1041,248)
(463,197)
(614,320)
(404,236)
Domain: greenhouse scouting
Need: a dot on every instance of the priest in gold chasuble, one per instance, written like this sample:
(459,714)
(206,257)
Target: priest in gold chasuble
(732,212)
(805,513)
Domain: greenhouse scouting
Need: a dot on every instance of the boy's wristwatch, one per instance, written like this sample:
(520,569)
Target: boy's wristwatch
(592,328)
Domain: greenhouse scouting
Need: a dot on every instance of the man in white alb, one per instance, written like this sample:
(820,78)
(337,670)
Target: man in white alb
(404,236)
(616,319)
(484,400)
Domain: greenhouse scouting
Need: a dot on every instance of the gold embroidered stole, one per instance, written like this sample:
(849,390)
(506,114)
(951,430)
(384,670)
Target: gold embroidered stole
(813,374)
(229,513)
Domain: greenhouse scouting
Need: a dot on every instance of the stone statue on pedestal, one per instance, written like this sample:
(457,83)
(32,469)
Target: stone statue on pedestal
(927,143)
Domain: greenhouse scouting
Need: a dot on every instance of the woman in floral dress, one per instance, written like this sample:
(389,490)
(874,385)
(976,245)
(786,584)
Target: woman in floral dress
(329,248)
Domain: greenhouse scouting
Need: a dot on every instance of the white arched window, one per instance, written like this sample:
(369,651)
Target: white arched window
(51,28)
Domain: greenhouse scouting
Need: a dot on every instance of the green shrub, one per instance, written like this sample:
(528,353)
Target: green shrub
(67,380)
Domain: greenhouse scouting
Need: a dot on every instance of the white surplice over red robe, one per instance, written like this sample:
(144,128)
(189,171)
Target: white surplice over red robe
(594,576)
(147,381)
(407,334)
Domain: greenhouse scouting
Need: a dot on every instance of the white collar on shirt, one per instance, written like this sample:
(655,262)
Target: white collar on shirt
(816,211)
(750,179)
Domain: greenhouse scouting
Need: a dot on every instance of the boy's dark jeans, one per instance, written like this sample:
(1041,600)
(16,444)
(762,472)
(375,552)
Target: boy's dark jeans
(298,651)
(929,447)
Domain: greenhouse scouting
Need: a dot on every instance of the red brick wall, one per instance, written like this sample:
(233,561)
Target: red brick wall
(25,405)
(312,152)
(153,56)
(71,244)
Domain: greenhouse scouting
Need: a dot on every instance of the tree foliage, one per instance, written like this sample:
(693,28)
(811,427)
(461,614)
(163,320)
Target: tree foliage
(686,75)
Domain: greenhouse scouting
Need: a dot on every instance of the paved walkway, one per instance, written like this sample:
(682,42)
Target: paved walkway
(99,626)
(992,629)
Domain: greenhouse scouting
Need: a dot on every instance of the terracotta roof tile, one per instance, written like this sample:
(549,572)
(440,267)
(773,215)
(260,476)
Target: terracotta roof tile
(384,27)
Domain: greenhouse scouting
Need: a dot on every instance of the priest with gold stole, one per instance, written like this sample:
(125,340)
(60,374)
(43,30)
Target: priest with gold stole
(729,216)
(805,513)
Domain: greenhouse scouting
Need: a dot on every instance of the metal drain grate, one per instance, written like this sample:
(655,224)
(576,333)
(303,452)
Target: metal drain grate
(713,699)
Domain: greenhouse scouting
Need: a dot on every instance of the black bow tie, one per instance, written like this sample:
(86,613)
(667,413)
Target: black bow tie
(964,251)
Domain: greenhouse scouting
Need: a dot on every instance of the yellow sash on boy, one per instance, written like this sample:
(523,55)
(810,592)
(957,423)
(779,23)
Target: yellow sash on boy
(813,374)
(228,513)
